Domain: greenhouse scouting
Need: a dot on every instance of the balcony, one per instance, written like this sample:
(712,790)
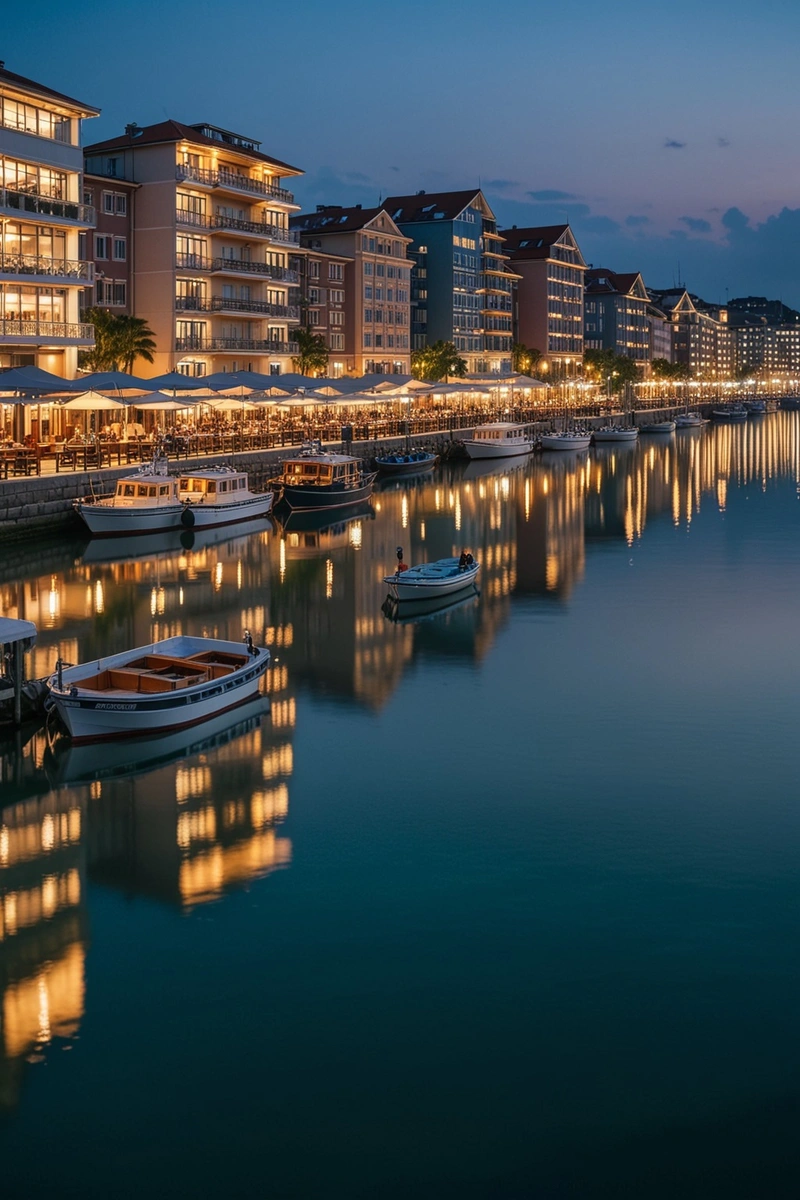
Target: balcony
(223,345)
(274,233)
(231,181)
(28,265)
(13,202)
(242,266)
(222,304)
(57,333)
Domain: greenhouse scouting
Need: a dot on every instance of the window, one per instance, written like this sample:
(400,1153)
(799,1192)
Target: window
(380,269)
(337,318)
(368,340)
(313,316)
(378,340)
(313,269)
(336,296)
(120,293)
(367,291)
(108,202)
(335,271)
(120,249)
(102,246)
(336,341)
(121,204)
(368,314)
(367,268)
(313,295)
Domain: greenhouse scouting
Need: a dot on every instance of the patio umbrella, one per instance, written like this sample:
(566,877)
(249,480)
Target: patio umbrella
(232,404)
(228,382)
(93,402)
(31,379)
(110,381)
(162,403)
(175,382)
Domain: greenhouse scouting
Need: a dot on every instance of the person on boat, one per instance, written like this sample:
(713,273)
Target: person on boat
(401,566)
(463,561)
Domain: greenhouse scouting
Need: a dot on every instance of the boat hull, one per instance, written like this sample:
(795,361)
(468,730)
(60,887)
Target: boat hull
(106,520)
(554,441)
(658,427)
(401,588)
(481,449)
(412,466)
(615,435)
(90,715)
(308,499)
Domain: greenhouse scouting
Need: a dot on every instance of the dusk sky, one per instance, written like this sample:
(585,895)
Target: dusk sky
(666,134)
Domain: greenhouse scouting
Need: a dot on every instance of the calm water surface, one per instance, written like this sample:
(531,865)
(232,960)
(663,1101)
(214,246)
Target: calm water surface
(499,903)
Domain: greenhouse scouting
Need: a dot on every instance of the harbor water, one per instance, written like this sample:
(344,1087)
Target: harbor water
(493,902)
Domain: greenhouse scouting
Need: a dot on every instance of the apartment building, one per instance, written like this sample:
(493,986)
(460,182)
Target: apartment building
(549,293)
(363,254)
(42,216)
(320,295)
(765,337)
(461,282)
(212,241)
(615,314)
(701,336)
(109,246)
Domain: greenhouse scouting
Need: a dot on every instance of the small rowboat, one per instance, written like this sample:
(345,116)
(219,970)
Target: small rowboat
(568,440)
(658,427)
(616,433)
(441,578)
(413,463)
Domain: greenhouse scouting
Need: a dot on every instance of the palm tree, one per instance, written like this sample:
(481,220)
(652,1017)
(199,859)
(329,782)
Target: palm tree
(133,338)
(313,353)
(102,357)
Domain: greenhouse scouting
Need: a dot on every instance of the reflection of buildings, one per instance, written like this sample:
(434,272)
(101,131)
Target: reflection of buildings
(550,538)
(42,923)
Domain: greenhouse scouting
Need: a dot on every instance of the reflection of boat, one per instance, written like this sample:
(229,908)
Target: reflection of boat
(468,470)
(441,578)
(167,685)
(413,611)
(71,763)
(321,523)
(567,440)
(151,501)
(413,463)
(499,439)
(149,545)
(616,433)
(658,427)
(319,479)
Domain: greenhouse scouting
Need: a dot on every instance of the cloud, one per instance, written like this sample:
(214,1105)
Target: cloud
(551,195)
(696,224)
(633,221)
(394,168)
(735,220)
(722,142)
(598,225)
(671,144)
(500,185)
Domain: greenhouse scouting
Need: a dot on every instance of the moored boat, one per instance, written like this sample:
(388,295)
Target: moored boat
(319,479)
(498,439)
(441,578)
(616,433)
(658,427)
(413,463)
(165,686)
(730,412)
(690,420)
(567,440)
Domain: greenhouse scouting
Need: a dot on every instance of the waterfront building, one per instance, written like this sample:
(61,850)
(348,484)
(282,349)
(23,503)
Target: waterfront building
(212,242)
(659,333)
(615,314)
(461,282)
(549,308)
(765,336)
(109,246)
(321,298)
(363,255)
(701,337)
(42,215)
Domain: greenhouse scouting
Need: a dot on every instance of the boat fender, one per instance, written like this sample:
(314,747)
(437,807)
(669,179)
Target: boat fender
(73,691)
(187,518)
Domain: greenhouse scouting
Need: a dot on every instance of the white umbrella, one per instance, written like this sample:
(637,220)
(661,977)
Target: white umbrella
(162,403)
(94,402)
(231,404)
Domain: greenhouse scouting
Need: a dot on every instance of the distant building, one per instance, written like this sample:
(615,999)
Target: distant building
(364,254)
(765,336)
(110,244)
(212,243)
(549,293)
(659,333)
(323,282)
(42,215)
(701,337)
(615,307)
(461,283)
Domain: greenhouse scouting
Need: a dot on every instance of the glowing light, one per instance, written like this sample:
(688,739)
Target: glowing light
(328,579)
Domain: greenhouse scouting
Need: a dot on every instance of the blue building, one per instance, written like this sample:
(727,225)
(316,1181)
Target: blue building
(460,283)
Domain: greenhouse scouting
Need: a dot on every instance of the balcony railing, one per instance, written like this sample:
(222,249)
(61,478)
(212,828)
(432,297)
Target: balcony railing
(77,331)
(288,312)
(37,264)
(221,221)
(232,179)
(256,346)
(254,268)
(46,206)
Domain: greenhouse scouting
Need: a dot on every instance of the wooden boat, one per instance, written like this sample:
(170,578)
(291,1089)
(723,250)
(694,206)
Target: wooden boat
(440,578)
(568,440)
(151,501)
(500,439)
(413,463)
(154,689)
(319,479)
(615,433)
(658,427)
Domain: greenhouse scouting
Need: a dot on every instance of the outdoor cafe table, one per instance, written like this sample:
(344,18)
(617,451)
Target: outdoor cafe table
(19,460)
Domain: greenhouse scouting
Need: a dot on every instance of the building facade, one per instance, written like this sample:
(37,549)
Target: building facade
(461,282)
(321,298)
(549,293)
(109,246)
(364,255)
(212,242)
(615,315)
(701,336)
(765,337)
(42,216)
(659,334)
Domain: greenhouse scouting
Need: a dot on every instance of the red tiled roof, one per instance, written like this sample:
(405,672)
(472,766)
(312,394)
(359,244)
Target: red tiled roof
(176,131)
(428,206)
(20,81)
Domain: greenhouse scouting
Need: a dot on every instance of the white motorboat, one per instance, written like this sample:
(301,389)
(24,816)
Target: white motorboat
(566,440)
(658,427)
(616,433)
(154,689)
(440,578)
(690,420)
(151,501)
(499,439)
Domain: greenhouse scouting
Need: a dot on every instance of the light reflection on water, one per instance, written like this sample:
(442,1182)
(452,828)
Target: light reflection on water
(564,656)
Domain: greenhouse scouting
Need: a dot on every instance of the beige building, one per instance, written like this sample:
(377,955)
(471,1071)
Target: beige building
(212,241)
(42,214)
(375,284)
(549,293)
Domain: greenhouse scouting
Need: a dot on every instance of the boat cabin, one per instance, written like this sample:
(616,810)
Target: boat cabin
(500,431)
(141,491)
(213,487)
(321,470)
